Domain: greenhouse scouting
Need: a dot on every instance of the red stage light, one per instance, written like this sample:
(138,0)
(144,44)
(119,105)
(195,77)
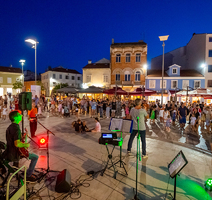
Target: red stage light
(42,141)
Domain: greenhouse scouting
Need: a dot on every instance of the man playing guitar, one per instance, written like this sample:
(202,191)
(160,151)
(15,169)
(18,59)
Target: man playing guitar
(14,137)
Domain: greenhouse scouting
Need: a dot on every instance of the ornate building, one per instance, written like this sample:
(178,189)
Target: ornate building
(128,64)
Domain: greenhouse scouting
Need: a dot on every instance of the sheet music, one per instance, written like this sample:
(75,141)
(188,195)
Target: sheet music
(116,124)
(126,126)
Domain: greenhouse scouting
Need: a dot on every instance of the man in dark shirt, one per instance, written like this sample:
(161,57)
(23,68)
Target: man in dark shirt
(182,111)
(13,137)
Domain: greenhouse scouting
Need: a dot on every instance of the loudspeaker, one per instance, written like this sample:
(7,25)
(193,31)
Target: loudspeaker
(63,182)
(25,101)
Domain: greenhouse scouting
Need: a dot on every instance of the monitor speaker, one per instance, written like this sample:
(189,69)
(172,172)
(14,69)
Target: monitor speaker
(25,101)
(63,182)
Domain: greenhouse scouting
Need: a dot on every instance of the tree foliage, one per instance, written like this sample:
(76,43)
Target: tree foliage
(41,85)
(18,85)
(60,85)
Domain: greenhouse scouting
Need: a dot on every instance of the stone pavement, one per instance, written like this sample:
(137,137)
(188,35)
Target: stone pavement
(80,153)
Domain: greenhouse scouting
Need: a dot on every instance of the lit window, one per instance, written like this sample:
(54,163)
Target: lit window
(127,76)
(138,57)
(118,58)
(127,57)
(137,76)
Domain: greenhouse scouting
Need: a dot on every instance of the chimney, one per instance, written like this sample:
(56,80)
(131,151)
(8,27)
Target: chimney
(112,40)
(89,61)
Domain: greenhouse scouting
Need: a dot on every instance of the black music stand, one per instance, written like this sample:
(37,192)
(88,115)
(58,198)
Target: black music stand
(174,167)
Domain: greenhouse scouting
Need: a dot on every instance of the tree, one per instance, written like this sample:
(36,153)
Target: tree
(59,85)
(41,85)
(17,85)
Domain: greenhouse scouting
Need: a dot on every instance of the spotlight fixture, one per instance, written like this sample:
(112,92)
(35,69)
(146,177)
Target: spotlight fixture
(208,184)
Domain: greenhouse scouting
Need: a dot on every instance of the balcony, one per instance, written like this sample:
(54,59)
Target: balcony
(127,83)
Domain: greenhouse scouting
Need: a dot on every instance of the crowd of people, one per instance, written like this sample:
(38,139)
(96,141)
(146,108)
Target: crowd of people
(169,114)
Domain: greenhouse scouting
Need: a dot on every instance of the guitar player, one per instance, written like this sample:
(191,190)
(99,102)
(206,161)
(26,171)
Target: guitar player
(14,137)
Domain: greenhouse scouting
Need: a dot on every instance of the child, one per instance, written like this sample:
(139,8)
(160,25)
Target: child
(123,112)
(193,121)
(165,115)
(174,113)
(4,113)
(168,123)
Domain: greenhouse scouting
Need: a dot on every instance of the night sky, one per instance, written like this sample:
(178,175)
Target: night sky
(72,32)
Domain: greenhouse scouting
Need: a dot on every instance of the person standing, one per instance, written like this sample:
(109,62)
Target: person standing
(182,111)
(33,119)
(136,112)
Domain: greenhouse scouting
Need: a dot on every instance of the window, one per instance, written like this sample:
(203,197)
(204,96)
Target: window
(127,76)
(209,68)
(88,78)
(118,58)
(9,80)
(72,77)
(174,70)
(1,79)
(138,57)
(210,53)
(209,83)
(105,79)
(54,75)
(117,77)
(127,57)
(61,76)
(78,78)
(197,84)
(137,76)
(164,84)
(67,77)
(210,39)
(54,83)
(174,84)
(185,84)
(151,83)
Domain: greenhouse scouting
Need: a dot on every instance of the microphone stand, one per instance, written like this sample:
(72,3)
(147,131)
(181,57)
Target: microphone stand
(138,156)
(47,147)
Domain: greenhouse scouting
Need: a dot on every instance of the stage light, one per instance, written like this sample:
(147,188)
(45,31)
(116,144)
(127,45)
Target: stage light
(208,184)
(42,141)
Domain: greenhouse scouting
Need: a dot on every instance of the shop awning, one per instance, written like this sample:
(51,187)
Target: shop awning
(140,92)
(115,91)
(68,89)
(199,92)
(91,90)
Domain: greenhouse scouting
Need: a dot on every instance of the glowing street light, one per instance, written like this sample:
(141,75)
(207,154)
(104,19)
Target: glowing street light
(34,42)
(163,39)
(22,63)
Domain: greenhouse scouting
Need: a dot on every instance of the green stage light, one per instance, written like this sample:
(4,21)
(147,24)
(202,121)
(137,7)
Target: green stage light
(208,184)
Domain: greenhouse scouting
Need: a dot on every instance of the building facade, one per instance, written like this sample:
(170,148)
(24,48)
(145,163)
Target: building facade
(174,78)
(128,61)
(8,76)
(197,55)
(58,75)
(97,74)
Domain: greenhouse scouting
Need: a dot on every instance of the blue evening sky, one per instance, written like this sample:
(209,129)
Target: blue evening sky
(72,32)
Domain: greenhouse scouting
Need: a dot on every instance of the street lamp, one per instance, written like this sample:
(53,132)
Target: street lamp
(34,42)
(163,39)
(22,63)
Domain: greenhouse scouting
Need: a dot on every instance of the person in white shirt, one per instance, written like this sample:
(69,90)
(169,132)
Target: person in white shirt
(97,127)
(193,121)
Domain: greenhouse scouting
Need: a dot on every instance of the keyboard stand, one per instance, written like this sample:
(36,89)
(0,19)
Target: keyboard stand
(110,159)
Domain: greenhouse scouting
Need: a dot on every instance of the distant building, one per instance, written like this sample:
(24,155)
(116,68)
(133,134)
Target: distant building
(174,78)
(127,64)
(97,74)
(198,51)
(29,79)
(8,76)
(57,75)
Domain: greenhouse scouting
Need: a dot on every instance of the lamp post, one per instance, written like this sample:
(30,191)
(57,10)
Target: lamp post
(34,42)
(163,39)
(22,63)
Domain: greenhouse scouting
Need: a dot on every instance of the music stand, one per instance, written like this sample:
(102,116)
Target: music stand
(175,166)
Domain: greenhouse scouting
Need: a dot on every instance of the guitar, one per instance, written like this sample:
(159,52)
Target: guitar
(24,153)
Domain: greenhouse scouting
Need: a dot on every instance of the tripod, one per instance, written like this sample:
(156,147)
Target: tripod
(138,156)
(122,163)
(47,147)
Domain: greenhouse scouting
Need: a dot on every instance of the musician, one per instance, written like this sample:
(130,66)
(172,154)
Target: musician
(140,112)
(33,119)
(14,137)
